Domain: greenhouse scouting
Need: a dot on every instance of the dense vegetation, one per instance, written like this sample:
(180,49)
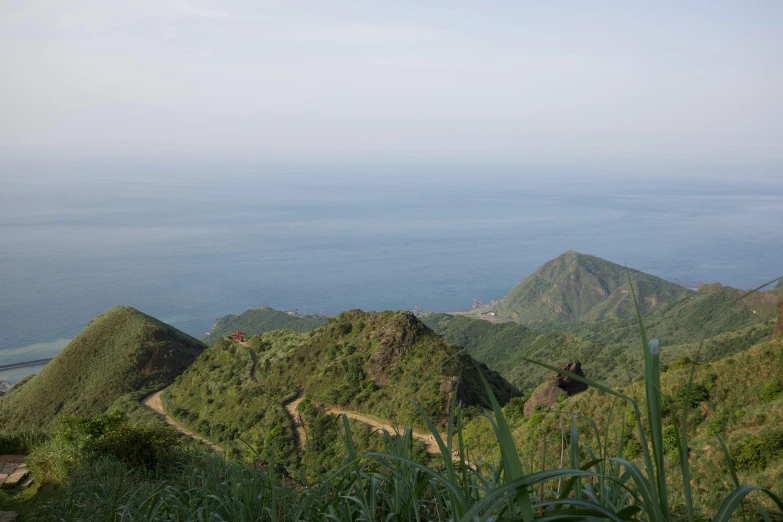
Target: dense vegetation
(119,352)
(604,348)
(263,319)
(505,346)
(739,399)
(107,469)
(372,363)
(581,287)
(701,313)
(221,397)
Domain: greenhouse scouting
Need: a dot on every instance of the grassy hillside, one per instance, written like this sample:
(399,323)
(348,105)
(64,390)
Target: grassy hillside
(739,398)
(503,347)
(120,351)
(259,320)
(607,349)
(701,313)
(371,363)
(581,287)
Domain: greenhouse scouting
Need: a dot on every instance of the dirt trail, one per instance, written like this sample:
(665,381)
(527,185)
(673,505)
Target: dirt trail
(427,438)
(154,403)
(301,435)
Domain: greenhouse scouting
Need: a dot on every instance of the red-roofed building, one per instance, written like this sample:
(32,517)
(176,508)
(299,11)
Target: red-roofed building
(238,337)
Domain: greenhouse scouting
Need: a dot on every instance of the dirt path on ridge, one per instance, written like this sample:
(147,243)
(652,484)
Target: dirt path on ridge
(427,438)
(154,403)
(296,418)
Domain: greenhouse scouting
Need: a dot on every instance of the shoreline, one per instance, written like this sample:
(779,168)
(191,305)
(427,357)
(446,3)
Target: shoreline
(13,366)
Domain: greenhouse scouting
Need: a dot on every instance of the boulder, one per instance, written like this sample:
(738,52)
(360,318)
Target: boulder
(558,385)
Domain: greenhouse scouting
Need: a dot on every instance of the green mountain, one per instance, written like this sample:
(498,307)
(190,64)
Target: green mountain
(504,346)
(739,398)
(120,351)
(608,348)
(263,319)
(712,310)
(370,363)
(580,287)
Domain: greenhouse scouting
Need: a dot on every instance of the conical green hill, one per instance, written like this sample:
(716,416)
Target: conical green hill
(120,351)
(579,287)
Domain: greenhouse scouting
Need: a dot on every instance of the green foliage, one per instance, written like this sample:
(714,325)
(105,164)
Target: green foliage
(119,352)
(607,348)
(699,394)
(576,286)
(683,361)
(21,442)
(505,346)
(75,440)
(261,320)
(226,397)
(756,451)
(670,438)
(771,391)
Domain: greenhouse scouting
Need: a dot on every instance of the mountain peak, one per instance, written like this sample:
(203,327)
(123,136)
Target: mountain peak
(120,351)
(576,286)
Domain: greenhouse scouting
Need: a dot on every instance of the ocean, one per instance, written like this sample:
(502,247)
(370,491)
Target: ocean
(190,244)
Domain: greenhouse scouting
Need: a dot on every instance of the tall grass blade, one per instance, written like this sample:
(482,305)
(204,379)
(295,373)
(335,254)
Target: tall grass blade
(736,497)
(509,454)
(652,381)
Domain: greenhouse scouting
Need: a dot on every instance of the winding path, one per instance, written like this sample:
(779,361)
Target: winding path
(154,403)
(427,438)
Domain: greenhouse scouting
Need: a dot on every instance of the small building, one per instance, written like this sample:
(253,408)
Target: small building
(238,337)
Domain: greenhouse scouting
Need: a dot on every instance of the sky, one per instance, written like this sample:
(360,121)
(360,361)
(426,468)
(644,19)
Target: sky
(609,80)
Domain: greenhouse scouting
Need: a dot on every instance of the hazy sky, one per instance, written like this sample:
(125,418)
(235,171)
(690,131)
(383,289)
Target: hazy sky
(291,79)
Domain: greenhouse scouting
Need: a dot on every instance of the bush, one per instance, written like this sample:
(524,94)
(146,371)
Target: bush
(755,452)
(21,441)
(680,362)
(699,394)
(771,391)
(75,440)
(669,438)
(143,445)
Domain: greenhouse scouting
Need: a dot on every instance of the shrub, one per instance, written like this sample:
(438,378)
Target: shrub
(143,445)
(755,452)
(771,391)
(21,441)
(670,438)
(699,394)
(680,362)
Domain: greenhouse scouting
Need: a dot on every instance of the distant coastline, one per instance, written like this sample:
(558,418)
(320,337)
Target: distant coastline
(23,364)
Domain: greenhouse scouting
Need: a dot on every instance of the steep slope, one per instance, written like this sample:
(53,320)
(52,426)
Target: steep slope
(608,348)
(576,286)
(712,310)
(263,319)
(371,363)
(739,397)
(120,351)
(503,347)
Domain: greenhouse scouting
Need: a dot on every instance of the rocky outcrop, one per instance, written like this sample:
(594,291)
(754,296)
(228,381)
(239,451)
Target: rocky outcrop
(779,325)
(557,386)
(5,387)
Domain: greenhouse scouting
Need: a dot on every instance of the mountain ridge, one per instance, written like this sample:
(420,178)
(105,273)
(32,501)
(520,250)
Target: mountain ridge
(576,286)
(120,351)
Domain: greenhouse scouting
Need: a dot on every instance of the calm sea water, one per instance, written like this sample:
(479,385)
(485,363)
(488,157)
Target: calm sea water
(188,246)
